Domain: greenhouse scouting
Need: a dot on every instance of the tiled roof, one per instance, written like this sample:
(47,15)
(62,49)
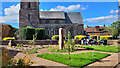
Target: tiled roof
(73,17)
(52,15)
(93,29)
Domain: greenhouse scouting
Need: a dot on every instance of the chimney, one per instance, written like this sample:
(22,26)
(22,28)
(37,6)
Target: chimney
(97,28)
(104,25)
(87,26)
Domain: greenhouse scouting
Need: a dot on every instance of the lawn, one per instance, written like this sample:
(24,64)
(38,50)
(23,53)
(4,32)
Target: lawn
(77,60)
(104,48)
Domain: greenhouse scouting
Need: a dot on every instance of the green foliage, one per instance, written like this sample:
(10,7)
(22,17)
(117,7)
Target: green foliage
(68,46)
(17,32)
(65,49)
(114,29)
(33,41)
(55,37)
(39,33)
(103,48)
(7,62)
(77,60)
(18,45)
(27,33)
(20,62)
(93,36)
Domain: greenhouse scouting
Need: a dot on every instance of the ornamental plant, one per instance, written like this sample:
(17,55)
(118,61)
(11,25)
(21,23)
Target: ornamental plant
(9,38)
(105,37)
(79,37)
(28,32)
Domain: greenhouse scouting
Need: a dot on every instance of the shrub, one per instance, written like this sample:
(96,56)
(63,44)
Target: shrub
(18,45)
(105,37)
(27,33)
(39,33)
(79,37)
(55,37)
(93,36)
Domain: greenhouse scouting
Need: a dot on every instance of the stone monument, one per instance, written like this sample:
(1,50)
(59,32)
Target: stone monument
(61,38)
(10,43)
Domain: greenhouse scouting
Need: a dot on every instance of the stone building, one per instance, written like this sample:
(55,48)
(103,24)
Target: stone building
(29,15)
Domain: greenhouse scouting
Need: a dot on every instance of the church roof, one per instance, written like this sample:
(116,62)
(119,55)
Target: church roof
(52,15)
(74,17)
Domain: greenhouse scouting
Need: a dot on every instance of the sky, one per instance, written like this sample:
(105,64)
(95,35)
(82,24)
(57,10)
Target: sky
(93,13)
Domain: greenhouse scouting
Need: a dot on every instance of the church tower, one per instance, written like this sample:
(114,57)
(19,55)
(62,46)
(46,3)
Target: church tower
(28,14)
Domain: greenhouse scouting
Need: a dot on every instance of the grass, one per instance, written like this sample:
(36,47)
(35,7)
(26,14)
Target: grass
(77,60)
(103,48)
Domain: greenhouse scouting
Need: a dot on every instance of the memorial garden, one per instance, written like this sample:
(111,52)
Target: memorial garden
(66,52)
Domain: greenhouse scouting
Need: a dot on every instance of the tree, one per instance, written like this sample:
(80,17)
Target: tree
(113,29)
(33,41)
(69,43)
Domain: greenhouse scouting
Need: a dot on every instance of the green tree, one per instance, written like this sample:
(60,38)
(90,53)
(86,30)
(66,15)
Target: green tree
(114,29)
(69,43)
(33,41)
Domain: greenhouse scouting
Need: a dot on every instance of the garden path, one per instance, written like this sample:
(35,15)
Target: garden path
(40,61)
(108,61)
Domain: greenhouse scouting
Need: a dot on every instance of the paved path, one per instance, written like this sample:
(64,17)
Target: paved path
(108,61)
(39,61)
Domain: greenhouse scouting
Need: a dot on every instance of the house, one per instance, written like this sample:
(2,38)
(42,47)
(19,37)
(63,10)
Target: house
(29,15)
(97,30)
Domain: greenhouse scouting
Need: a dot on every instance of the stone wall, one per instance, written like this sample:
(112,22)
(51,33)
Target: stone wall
(111,42)
(38,42)
(44,21)
(75,29)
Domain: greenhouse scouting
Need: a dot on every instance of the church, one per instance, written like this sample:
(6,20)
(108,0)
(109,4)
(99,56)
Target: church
(29,15)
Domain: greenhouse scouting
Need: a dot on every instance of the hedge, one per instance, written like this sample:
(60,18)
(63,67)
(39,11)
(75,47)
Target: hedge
(28,32)
(79,37)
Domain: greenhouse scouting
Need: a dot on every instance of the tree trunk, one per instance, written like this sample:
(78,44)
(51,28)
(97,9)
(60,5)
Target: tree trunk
(69,53)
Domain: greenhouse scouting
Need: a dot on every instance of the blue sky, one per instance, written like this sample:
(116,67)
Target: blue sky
(93,13)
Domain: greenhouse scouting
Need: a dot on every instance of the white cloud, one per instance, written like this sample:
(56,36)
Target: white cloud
(116,11)
(69,8)
(11,14)
(104,19)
